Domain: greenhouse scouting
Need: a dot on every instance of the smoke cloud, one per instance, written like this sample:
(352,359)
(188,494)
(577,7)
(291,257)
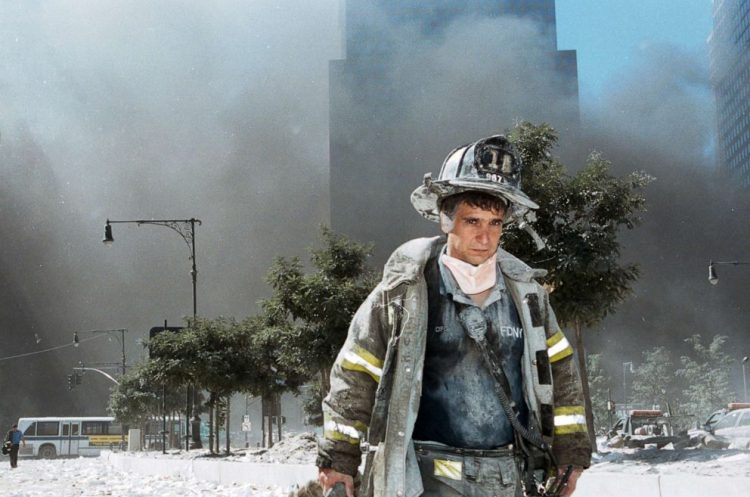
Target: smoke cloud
(659,117)
(145,110)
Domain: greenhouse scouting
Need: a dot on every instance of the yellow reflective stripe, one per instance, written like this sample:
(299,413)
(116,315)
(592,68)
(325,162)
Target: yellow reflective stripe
(448,469)
(570,419)
(567,410)
(343,431)
(558,347)
(359,359)
(340,437)
(570,429)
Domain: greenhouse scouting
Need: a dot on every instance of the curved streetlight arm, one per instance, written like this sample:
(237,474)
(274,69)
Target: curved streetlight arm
(713,276)
(106,375)
(183,227)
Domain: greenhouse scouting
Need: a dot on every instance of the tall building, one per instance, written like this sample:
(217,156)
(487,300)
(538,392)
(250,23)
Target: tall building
(729,55)
(420,78)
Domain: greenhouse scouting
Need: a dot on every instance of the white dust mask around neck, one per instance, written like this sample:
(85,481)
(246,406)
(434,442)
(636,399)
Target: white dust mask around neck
(472,279)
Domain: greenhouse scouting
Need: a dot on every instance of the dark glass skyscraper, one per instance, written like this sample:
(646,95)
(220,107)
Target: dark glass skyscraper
(420,78)
(729,53)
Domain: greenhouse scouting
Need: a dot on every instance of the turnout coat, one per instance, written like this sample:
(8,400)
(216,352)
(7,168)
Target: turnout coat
(376,381)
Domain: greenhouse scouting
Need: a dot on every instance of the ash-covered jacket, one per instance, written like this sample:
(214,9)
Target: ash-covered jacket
(376,381)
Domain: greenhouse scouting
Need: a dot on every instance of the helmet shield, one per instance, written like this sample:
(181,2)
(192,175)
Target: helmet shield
(490,165)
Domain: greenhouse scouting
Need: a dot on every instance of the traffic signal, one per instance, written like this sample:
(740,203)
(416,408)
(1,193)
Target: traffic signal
(71,382)
(77,378)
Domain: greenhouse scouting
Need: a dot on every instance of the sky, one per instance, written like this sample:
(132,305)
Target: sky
(609,35)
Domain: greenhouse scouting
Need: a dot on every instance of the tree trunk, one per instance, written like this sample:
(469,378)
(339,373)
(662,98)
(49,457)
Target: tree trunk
(211,423)
(226,429)
(270,429)
(217,424)
(585,382)
(278,411)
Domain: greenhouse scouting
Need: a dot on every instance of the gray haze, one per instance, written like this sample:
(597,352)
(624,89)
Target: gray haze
(144,110)
(659,117)
(398,110)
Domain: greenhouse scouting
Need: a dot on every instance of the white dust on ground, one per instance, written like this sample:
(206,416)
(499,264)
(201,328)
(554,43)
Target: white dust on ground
(93,477)
(698,461)
(301,449)
(294,448)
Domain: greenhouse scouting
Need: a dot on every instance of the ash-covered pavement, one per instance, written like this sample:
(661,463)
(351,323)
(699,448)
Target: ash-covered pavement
(647,470)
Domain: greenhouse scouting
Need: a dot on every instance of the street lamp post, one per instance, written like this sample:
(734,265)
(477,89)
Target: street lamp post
(713,276)
(186,229)
(119,331)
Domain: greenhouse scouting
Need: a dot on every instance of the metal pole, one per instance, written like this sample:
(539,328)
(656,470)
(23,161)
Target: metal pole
(192,391)
(744,377)
(163,419)
(122,336)
(194,271)
(624,390)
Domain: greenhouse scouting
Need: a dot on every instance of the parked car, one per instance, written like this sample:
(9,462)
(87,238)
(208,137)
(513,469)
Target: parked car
(733,428)
(643,427)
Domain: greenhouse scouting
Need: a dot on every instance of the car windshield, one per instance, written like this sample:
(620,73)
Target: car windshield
(727,421)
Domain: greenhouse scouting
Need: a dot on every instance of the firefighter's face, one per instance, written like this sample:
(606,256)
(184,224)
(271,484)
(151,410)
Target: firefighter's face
(476,233)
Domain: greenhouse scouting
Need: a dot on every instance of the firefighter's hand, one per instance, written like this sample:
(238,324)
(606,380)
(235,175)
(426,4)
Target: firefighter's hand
(329,477)
(572,480)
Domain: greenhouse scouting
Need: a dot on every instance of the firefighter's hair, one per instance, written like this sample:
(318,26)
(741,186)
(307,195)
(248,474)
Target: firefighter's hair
(485,201)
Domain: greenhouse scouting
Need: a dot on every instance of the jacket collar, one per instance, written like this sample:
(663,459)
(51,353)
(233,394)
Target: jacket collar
(407,263)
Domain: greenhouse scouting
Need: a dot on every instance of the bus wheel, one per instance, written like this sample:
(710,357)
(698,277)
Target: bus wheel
(47,452)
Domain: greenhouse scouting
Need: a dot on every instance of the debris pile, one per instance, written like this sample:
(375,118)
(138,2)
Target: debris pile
(300,448)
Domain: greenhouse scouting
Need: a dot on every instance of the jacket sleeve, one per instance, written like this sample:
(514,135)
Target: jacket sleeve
(570,443)
(354,380)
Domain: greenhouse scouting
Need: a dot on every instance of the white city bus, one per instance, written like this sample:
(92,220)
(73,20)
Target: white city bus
(50,437)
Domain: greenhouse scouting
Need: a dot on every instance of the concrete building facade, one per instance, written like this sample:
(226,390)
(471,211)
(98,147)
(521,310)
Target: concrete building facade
(729,55)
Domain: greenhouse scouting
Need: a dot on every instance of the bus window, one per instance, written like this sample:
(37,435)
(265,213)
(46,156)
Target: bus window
(47,428)
(30,431)
(115,429)
(67,431)
(94,427)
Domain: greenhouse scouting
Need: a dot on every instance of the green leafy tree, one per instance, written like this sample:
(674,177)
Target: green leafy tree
(579,219)
(654,381)
(706,376)
(599,386)
(212,354)
(274,372)
(138,398)
(308,315)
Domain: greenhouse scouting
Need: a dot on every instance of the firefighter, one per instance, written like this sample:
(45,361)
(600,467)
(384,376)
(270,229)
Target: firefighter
(455,378)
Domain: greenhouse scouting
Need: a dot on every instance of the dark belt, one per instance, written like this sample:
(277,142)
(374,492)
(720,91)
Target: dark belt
(504,451)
